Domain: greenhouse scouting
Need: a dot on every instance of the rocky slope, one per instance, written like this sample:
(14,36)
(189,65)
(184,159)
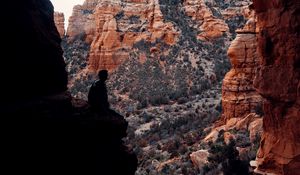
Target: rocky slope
(154,32)
(213,17)
(45,131)
(121,25)
(278,81)
(210,25)
(167,82)
(82,20)
(167,60)
(59,20)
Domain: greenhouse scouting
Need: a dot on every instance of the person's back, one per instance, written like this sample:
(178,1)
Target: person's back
(97,97)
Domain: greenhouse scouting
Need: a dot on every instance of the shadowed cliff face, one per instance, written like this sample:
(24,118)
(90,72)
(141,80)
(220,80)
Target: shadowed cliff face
(278,81)
(44,130)
(36,63)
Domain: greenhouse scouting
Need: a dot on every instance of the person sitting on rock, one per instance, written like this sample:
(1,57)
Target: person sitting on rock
(97,97)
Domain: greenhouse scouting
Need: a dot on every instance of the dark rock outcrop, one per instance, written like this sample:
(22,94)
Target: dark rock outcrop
(52,135)
(45,130)
(35,58)
(278,81)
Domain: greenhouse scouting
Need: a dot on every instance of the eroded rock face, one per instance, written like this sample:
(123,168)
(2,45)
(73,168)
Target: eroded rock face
(278,81)
(113,27)
(59,20)
(210,26)
(37,65)
(119,31)
(82,21)
(239,97)
(122,24)
(207,14)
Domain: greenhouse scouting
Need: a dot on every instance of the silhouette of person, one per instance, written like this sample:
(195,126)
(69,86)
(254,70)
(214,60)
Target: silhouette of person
(97,97)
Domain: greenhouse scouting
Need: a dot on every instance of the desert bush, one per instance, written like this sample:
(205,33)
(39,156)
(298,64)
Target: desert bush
(119,15)
(134,19)
(224,157)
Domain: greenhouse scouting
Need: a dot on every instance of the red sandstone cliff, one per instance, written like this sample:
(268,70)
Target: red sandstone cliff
(117,29)
(113,27)
(210,25)
(239,97)
(240,100)
(59,20)
(278,81)
(82,20)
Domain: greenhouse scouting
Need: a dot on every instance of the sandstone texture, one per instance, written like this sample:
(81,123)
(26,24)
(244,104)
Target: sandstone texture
(168,31)
(82,21)
(278,81)
(239,97)
(207,16)
(122,24)
(114,28)
(59,20)
(211,26)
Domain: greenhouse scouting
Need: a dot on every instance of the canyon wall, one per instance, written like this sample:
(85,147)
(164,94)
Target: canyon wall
(45,131)
(207,15)
(119,27)
(211,26)
(278,81)
(113,28)
(82,21)
(193,35)
(38,67)
(59,20)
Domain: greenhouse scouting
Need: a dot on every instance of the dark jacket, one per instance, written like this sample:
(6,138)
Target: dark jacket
(97,97)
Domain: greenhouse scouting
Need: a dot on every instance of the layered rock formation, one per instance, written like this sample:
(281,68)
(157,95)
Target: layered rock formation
(45,131)
(59,20)
(112,27)
(207,16)
(278,81)
(210,26)
(169,31)
(119,28)
(82,21)
(239,97)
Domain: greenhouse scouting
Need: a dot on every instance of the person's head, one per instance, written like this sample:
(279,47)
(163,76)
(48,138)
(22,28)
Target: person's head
(103,74)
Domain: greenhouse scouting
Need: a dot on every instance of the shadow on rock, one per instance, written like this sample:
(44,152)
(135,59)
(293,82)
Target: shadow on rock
(53,135)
